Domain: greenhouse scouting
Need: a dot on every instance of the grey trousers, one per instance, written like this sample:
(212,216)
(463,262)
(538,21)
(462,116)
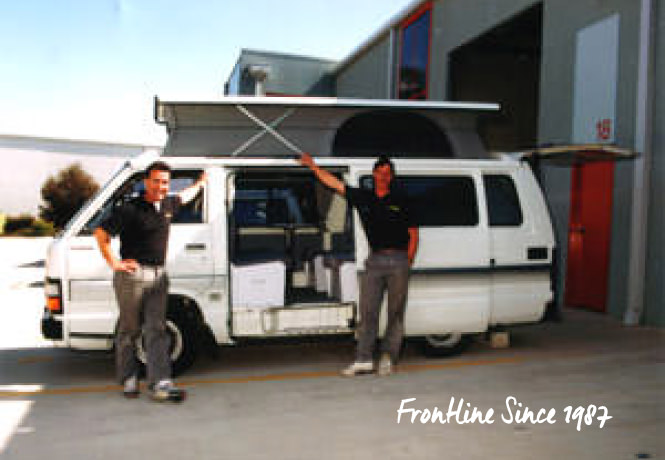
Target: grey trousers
(142,297)
(383,272)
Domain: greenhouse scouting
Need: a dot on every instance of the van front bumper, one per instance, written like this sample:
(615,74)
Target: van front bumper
(51,326)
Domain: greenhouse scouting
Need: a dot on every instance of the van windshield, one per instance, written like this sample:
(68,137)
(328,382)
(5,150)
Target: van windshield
(133,187)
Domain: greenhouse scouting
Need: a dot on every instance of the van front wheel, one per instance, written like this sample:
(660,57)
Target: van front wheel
(440,345)
(182,342)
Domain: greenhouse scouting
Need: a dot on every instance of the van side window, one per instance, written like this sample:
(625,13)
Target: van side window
(441,201)
(191,213)
(285,216)
(269,201)
(502,201)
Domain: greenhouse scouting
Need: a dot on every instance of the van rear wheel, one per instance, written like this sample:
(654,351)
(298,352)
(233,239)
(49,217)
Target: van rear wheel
(182,342)
(440,345)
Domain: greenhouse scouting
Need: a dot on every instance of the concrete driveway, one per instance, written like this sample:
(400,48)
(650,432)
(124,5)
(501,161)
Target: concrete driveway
(287,402)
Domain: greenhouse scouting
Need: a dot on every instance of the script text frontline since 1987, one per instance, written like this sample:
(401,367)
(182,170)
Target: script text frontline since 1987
(515,412)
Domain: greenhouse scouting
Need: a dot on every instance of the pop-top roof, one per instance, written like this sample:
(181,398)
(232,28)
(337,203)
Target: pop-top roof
(174,114)
(261,125)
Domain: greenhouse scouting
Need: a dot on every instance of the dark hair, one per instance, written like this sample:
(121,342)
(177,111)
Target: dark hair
(157,166)
(384,160)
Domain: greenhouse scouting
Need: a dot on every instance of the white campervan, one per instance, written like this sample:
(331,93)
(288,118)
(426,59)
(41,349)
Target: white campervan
(265,251)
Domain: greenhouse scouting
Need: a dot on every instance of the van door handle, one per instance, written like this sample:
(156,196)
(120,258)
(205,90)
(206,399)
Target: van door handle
(537,253)
(195,247)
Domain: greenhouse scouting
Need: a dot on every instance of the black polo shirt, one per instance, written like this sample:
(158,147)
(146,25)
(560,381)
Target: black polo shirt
(386,220)
(143,230)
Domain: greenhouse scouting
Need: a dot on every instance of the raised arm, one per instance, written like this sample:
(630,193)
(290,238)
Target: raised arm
(188,194)
(326,178)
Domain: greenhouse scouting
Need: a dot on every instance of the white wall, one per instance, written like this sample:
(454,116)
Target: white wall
(27,162)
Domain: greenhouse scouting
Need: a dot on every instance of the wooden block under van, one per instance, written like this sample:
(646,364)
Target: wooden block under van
(500,339)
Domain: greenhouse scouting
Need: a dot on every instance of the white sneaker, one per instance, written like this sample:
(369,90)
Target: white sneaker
(385,365)
(358,367)
(165,390)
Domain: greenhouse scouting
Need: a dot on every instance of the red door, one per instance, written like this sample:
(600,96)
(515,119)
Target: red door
(589,235)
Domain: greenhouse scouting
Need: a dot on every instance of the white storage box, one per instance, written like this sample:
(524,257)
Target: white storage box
(321,274)
(348,281)
(258,285)
(343,282)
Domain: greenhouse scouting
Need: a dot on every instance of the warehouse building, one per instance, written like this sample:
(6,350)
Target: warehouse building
(581,72)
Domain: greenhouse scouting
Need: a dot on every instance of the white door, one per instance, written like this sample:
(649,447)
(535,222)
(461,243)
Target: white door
(521,244)
(91,308)
(189,259)
(450,285)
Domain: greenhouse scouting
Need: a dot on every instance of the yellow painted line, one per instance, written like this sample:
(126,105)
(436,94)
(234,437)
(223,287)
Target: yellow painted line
(454,364)
(405,368)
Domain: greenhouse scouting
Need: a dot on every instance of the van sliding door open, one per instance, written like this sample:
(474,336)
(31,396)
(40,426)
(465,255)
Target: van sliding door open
(284,228)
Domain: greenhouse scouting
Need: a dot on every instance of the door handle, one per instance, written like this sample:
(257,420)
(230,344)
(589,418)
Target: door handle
(537,253)
(82,248)
(195,247)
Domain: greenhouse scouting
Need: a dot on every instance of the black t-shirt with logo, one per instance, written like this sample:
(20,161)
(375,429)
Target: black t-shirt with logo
(143,230)
(386,220)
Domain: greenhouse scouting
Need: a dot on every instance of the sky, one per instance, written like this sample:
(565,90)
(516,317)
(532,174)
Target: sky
(89,69)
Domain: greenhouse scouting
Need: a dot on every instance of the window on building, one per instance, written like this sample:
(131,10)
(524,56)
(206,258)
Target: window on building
(232,87)
(503,204)
(445,201)
(414,56)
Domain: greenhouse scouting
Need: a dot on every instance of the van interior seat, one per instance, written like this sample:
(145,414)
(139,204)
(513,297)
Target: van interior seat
(295,247)
(335,259)
(305,244)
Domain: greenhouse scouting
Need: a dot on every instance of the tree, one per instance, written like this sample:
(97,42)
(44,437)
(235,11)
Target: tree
(65,193)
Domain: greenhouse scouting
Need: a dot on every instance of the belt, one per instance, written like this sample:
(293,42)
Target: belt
(152,266)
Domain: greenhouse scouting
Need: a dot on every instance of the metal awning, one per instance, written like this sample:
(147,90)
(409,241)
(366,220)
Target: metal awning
(569,155)
(278,126)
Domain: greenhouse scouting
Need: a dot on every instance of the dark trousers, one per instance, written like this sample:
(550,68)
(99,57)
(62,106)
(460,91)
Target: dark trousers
(142,297)
(383,272)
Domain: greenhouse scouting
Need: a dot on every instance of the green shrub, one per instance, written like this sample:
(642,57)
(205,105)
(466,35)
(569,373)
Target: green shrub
(65,193)
(15,224)
(27,225)
(42,228)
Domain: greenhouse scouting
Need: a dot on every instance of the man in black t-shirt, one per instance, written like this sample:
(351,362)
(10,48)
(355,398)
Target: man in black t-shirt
(140,281)
(393,240)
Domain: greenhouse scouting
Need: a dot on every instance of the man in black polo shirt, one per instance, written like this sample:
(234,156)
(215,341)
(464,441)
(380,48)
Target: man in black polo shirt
(393,240)
(139,279)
